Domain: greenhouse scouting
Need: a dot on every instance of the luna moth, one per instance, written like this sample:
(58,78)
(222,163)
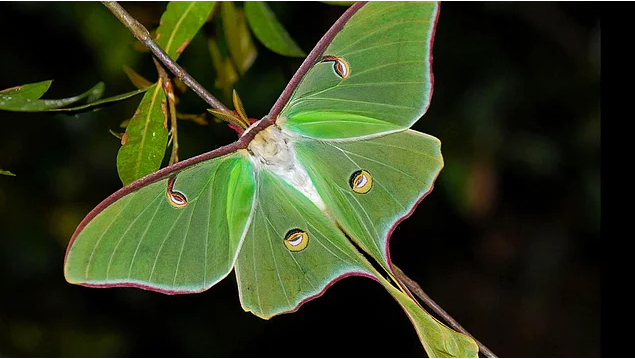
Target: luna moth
(307,195)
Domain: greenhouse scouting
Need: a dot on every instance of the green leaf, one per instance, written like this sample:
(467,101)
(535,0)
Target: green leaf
(105,101)
(269,31)
(29,91)
(25,98)
(6,173)
(146,137)
(241,46)
(180,22)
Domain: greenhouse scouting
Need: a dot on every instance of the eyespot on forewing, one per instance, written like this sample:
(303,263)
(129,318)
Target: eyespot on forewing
(361,181)
(176,198)
(340,65)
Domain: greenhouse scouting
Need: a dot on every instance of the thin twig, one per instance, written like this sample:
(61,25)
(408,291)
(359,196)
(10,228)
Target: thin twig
(168,88)
(174,156)
(416,289)
(142,34)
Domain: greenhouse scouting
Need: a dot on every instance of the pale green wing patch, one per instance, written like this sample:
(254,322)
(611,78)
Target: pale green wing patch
(320,125)
(172,237)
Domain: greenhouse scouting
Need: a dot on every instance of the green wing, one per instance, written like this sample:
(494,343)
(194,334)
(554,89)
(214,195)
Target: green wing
(402,168)
(177,235)
(273,278)
(374,77)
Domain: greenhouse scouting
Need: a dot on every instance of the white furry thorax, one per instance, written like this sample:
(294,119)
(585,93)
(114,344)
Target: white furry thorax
(273,150)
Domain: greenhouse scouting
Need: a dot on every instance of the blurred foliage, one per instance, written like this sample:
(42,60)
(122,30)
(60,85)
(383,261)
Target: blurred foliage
(268,30)
(26,98)
(514,220)
(238,38)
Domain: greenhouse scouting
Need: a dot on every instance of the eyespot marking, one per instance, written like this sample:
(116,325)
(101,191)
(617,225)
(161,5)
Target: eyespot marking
(340,65)
(296,240)
(361,181)
(176,198)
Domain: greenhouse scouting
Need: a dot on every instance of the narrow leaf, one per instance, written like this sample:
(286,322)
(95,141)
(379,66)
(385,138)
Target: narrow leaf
(238,106)
(119,135)
(29,91)
(6,173)
(269,31)
(146,137)
(241,46)
(137,80)
(101,102)
(180,22)
(26,98)
(229,117)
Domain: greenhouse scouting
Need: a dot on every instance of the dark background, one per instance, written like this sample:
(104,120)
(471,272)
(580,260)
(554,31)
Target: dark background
(507,242)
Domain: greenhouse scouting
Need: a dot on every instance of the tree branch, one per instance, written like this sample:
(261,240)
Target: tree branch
(416,289)
(142,34)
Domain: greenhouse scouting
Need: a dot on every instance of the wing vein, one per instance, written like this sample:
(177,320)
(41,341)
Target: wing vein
(167,235)
(383,28)
(90,259)
(187,232)
(275,263)
(134,255)
(112,255)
